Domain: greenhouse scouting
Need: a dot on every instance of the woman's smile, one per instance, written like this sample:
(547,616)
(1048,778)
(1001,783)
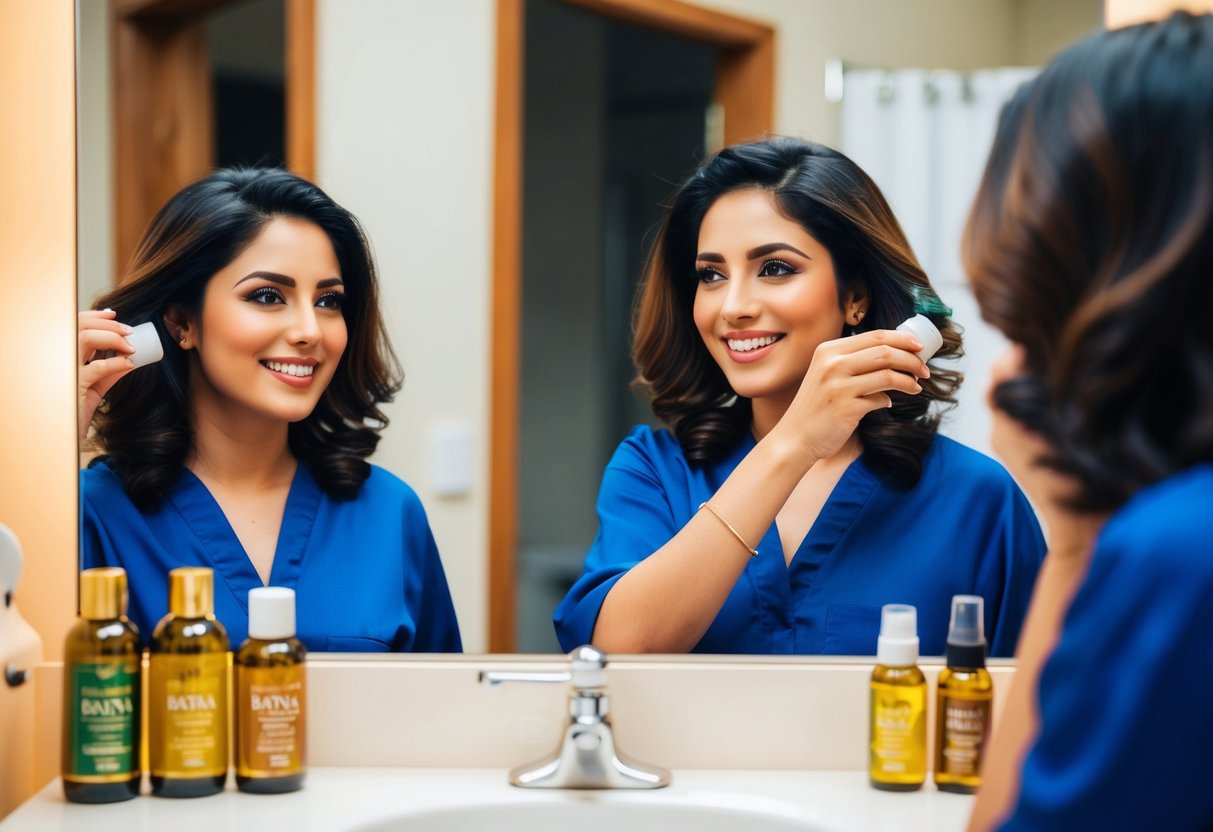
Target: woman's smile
(295,372)
(747,347)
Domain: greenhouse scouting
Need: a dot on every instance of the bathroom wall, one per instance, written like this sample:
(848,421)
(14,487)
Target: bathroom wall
(37,449)
(37,322)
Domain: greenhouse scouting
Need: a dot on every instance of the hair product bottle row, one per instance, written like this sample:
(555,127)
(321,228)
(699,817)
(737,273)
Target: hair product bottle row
(187,695)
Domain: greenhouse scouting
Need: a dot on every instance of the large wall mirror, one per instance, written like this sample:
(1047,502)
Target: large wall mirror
(508,159)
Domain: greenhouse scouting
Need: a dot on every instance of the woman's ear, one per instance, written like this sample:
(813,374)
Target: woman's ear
(856,305)
(180,324)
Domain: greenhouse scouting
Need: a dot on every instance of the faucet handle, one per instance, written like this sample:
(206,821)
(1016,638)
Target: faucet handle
(587,665)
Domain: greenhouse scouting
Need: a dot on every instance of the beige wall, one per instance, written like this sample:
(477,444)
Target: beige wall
(1128,12)
(404,140)
(37,321)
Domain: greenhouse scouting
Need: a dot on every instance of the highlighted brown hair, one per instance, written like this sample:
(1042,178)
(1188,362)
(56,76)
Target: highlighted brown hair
(1090,243)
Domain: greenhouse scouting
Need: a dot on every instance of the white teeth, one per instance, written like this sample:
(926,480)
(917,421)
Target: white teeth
(299,370)
(747,344)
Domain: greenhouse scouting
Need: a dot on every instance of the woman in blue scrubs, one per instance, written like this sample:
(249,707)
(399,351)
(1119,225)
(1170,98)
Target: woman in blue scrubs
(802,483)
(244,449)
(1090,246)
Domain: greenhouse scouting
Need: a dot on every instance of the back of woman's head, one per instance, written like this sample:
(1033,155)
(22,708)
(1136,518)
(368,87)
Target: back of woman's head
(1091,244)
(144,428)
(842,208)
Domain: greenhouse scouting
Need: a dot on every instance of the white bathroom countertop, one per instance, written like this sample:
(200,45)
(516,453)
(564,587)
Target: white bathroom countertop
(346,799)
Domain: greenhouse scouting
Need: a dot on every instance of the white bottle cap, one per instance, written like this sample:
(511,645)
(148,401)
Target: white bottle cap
(920,327)
(897,645)
(146,341)
(271,612)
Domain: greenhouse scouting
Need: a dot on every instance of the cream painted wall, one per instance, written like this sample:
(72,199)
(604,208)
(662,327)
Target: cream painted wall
(37,320)
(37,325)
(404,140)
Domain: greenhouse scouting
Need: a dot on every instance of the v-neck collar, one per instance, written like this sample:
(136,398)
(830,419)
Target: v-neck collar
(839,512)
(202,513)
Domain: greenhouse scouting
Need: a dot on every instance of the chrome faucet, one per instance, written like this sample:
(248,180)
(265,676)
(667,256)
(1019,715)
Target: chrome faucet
(587,757)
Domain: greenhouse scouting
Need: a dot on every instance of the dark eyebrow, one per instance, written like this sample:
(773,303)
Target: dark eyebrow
(754,253)
(289,282)
(770,248)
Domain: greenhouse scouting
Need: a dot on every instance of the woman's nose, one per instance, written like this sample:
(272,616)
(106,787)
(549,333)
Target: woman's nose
(305,328)
(740,302)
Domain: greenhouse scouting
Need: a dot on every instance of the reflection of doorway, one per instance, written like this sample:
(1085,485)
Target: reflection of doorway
(616,95)
(179,83)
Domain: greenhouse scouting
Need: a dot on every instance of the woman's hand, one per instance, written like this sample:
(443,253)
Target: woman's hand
(99,332)
(849,378)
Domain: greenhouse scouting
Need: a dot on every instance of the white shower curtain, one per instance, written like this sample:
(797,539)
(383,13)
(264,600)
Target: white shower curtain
(923,136)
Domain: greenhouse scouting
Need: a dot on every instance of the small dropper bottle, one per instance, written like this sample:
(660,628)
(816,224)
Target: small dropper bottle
(271,700)
(964,700)
(898,721)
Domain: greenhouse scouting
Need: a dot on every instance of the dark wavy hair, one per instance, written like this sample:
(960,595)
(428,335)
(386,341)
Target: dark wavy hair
(843,209)
(1091,244)
(145,429)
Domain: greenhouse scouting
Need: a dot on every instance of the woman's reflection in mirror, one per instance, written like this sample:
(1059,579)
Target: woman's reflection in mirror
(801,483)
(244,449)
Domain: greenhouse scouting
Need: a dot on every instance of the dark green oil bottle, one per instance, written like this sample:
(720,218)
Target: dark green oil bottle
(102,666)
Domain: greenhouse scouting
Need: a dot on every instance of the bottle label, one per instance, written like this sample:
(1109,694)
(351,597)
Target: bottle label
(103,719)
(899,732)
(271,710)
(187,724)
(965,728)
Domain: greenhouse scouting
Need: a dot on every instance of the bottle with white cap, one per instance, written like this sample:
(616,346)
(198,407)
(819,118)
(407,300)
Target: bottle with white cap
(964,700)
(271,700)
(898,721)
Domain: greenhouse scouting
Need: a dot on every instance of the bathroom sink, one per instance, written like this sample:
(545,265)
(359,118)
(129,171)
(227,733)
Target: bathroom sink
(576,813)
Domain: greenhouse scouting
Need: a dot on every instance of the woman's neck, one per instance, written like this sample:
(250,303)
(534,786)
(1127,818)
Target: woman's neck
(240,452)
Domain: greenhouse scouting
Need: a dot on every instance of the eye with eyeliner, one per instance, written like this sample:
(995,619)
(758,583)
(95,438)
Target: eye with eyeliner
(784,268)
(331,300)
(708,274)
(265,296)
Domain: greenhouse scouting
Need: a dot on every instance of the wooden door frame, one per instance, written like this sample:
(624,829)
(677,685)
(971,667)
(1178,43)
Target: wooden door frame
(744,87)
(163,113)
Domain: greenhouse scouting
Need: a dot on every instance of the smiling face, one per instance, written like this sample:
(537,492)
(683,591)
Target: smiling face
(766,297)
(271,331)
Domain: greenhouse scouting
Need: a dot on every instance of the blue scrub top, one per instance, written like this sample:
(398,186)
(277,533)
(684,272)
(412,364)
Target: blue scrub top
(1126,709)
(365,571)
(965,528)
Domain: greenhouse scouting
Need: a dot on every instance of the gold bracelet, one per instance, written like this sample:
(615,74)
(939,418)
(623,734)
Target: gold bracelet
(753,552)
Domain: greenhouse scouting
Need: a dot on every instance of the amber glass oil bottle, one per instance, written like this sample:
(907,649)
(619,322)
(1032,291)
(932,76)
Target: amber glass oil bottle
(898,720)
(102,665)
(187,691)
(964,700)
(271,696)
